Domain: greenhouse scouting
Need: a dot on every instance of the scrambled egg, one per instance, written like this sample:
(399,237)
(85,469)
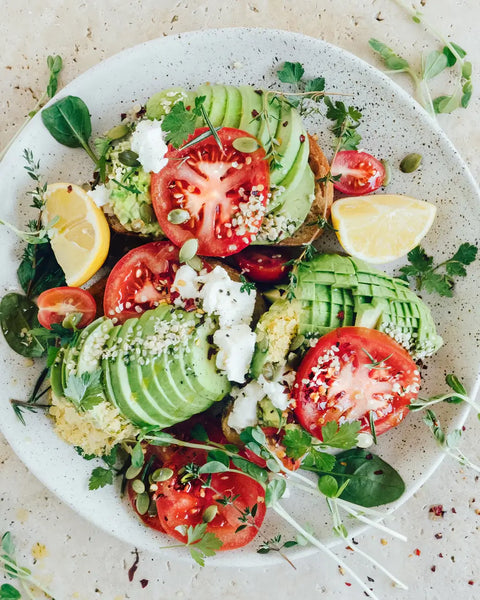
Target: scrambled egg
(96,431)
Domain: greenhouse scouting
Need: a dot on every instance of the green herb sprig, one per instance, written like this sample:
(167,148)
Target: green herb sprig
(429,277)
(32,403)
(450,56)
(23,575)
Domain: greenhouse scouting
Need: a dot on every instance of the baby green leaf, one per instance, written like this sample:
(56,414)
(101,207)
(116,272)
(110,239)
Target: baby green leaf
(213,466)
(8,592)
(372,481)
(446,104)
(435,63)
(18,317)
(68,120)
(390,59)
(328,485)
(275,490)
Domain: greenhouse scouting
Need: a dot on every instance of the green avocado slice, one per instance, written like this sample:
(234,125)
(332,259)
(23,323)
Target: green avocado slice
(218,107)
(251,109)
(233,109)
(289,133)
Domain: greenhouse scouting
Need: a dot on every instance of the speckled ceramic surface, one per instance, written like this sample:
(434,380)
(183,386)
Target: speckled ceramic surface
(392,126)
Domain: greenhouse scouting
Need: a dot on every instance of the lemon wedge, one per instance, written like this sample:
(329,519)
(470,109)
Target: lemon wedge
(382,227)
(80,236)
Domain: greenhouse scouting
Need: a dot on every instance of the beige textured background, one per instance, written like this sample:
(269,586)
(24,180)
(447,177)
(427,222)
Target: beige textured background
(82,563)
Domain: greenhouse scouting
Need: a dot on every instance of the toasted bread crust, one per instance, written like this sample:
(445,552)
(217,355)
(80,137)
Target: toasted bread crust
(323,196)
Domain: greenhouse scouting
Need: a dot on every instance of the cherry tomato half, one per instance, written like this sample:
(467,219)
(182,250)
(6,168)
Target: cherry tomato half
(263,264)
(350,373)
(140,280)
(360,172)
(56,303)
(223,193)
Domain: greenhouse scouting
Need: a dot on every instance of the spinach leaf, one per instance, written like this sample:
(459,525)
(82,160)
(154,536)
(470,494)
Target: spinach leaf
(68,120)
(18,315)
(371,481)
(39,270)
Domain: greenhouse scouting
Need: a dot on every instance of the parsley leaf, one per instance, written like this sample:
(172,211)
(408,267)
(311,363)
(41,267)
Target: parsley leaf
(426,275)
(297,442)
(202,543)
(315,85)
(178,124)
(85,390)
(99,478)
(291,72)
(346,120)
(343,436)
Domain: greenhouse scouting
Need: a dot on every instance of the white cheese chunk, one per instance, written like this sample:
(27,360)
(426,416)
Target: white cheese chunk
(244,411)
(236,345)
(186,282)
(223,297)
(100,195)
(149,143)
(276,393)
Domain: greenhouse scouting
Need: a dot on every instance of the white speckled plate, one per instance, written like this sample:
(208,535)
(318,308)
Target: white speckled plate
(392,126)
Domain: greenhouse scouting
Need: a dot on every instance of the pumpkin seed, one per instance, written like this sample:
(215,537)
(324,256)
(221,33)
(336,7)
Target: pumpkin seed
(129,158)
(196,263)
(138,486)
(117,132)
(177,216)
(188,250)
(388,172)
(410,163)
(245,144)
(142,503)
(132,472)
(146,212)
(297,341)
(162,474)
(72,320)
(210,513)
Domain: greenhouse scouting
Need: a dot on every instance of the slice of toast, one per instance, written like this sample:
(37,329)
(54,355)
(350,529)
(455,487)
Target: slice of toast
(320,208)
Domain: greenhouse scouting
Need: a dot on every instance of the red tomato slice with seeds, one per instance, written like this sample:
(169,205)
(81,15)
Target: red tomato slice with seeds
(360,172)
(181,503)
(223,193)
(350,373)
(263,264)
(57,303)
(141,280)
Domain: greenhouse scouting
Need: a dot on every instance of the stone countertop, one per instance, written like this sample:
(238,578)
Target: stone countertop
(73,558)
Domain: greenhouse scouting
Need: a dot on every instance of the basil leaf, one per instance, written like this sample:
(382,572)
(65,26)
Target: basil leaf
(68,120)
(39,270)
(372,481)
(18,315)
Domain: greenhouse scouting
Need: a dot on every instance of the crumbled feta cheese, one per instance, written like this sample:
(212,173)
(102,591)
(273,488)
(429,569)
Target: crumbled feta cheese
(236,345)
(149,143)
(223,297)
(244,412)
(276,393)
(100,195)
(186,282)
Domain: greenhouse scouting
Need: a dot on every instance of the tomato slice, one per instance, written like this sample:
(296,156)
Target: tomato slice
(263,264)
(350,373)
(360,172)
(223,194)
(182,503)
(56,303)
(141,280)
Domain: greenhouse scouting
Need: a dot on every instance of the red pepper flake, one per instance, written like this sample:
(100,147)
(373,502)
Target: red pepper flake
(471,582)
(133,568)
(379,472)
(371,579)
(436,511)
(255,113)
(302,138)
(454,511)
(188,107)
(285,123)
(369,456)
(438,536)
(433,568)
(417,552)
(349,584)
(340,315)
(144,583)
(69,189)
(440,555)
